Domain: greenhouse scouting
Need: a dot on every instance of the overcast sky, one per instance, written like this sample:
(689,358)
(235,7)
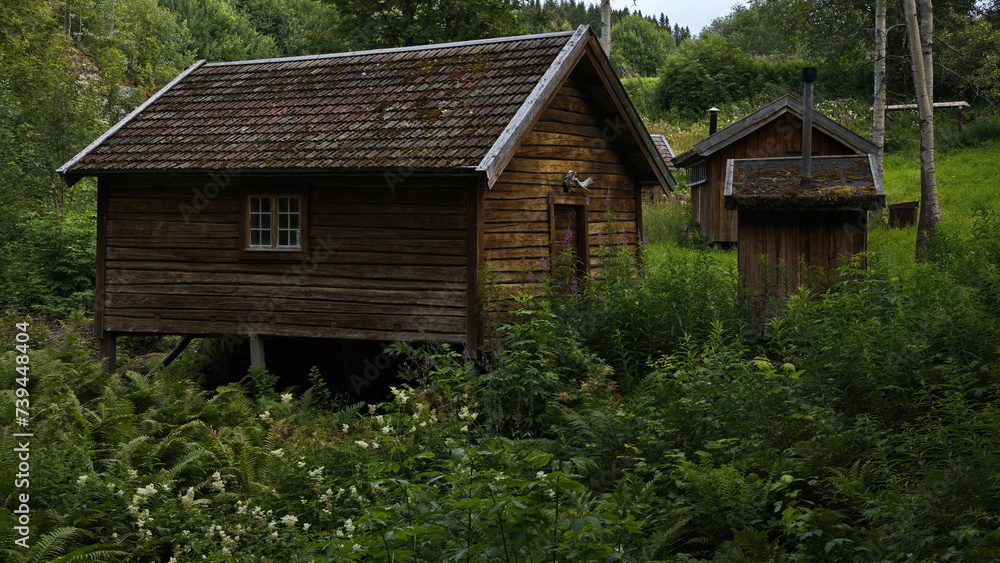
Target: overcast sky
(694,14)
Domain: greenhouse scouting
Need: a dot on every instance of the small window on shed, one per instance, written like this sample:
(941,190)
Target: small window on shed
(274,222)
(697,174)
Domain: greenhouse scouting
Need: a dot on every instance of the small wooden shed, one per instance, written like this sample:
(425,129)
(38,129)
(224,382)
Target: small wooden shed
(773,131)
(792,232)
(359,196)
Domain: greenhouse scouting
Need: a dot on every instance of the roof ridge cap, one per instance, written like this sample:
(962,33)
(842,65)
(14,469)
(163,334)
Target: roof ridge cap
(385,50)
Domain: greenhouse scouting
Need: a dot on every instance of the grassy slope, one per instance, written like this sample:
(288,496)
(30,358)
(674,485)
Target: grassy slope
(968,179)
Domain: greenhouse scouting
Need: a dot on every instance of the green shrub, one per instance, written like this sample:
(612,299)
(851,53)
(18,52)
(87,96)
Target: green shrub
(711,71)
(628,318)
(875,338)
(49,266)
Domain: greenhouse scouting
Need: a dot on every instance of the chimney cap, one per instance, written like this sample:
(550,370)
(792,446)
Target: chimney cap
(809,74)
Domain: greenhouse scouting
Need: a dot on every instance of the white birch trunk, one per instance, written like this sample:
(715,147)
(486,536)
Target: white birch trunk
(929,212)
(878,118)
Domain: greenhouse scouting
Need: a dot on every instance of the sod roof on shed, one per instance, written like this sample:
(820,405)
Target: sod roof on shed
(428,107)
(838,183)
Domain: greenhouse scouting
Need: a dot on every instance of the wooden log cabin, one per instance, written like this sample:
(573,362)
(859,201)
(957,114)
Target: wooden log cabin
(773,131)
(359,196)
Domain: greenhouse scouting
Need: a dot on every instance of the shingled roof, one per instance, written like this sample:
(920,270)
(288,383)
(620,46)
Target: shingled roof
(663,146)
(449,106)
(787,104)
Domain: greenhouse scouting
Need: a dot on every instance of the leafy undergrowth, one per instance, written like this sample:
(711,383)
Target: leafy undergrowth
(623,418)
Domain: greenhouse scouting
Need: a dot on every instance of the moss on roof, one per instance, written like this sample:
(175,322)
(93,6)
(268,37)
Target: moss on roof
(840,182)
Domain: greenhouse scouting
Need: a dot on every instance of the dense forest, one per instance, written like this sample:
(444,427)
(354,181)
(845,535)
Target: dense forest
(634,418)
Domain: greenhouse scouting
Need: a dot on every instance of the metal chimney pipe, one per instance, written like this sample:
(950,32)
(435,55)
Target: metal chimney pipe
(808,77)
(713,120)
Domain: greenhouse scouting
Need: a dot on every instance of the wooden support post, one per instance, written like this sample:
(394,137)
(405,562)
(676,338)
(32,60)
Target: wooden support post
(256,351)
(107,351)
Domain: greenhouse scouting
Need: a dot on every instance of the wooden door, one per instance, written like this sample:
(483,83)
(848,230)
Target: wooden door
(569,232)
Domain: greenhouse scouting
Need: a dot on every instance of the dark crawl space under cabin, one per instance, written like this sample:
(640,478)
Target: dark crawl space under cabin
(358,197)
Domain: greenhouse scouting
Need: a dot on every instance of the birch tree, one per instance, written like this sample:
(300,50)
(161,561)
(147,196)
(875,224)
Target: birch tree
(920,31)
(878,118)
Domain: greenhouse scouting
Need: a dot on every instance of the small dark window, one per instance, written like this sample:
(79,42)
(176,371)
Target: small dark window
(274,222)
(697,174)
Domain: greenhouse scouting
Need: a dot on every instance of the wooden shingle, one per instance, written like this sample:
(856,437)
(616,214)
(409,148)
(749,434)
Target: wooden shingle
(438,106)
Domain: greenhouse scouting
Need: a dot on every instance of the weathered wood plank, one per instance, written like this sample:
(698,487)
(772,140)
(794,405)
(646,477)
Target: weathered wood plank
(304,275)
(303,327)
(317,273)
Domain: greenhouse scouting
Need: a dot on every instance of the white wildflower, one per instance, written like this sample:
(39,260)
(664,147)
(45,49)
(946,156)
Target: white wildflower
(361,443)
(133,474)
(345,427)
(464,428)
(217,482)
(82,480)
(265,416)
(278,452)
(147,491)
(289,520)
(541,475)
(286,399)
(306,526)
(187,499)
(317,476)
(387,429)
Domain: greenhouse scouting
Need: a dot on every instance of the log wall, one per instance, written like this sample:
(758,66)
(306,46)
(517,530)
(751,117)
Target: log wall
(380,263)
(571,134)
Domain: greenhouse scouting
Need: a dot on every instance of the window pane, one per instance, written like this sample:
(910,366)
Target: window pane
(288,222)
(274,222)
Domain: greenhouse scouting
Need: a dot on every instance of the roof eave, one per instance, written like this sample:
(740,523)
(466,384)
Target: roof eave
(65,171)
(503,148)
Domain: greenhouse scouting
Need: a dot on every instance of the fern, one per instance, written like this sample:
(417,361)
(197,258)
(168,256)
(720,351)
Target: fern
(45,548)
